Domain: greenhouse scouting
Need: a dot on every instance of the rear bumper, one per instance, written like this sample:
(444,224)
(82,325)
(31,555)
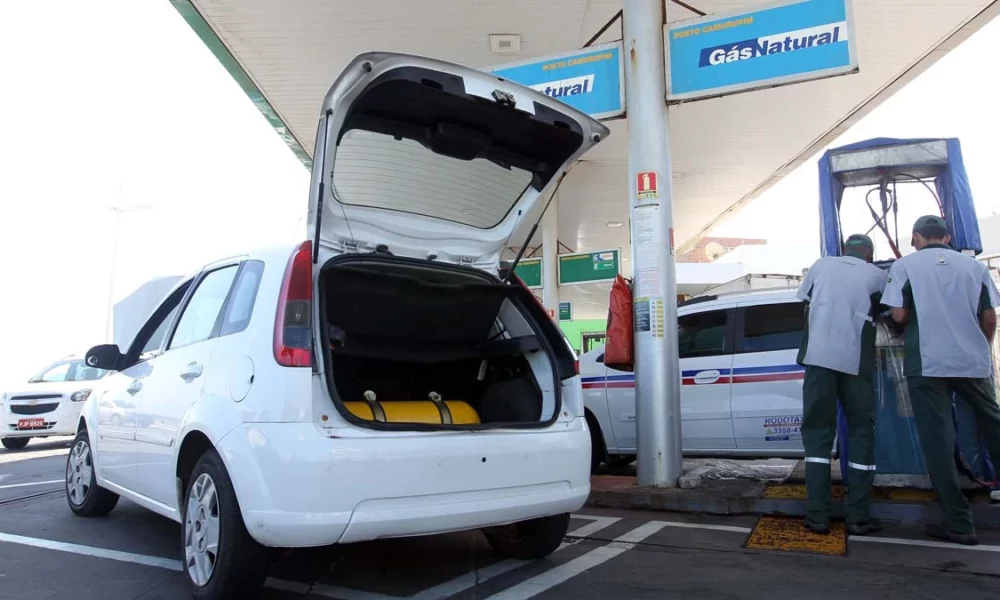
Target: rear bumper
(60,421)
(298,487)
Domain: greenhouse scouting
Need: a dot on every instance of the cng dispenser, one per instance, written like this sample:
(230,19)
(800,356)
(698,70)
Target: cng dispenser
(928,166)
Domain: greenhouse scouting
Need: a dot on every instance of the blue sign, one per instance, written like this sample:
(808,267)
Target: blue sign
(776,44)
(590,80)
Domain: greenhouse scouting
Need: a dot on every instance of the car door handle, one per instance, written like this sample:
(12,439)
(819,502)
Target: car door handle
(191,372)
(134,388)
(707,376)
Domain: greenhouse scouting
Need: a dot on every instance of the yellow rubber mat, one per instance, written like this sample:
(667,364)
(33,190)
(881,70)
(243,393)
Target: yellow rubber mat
(784,491)
(789,535)
(904,495)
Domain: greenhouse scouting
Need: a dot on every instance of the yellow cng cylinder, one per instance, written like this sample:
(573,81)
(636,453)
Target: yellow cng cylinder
(430,412)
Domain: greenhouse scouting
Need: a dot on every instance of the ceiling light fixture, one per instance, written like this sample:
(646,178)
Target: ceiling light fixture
(614,224)
(505,43)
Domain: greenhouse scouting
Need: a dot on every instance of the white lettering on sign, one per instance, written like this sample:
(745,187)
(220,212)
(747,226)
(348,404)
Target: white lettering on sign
(791,41)
(566,87)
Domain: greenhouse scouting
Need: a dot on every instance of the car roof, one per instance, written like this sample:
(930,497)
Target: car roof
(708,302)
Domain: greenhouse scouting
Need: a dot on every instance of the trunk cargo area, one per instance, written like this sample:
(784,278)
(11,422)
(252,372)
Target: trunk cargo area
(413,345)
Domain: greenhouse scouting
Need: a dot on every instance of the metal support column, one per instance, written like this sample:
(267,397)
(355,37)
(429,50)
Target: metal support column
(550,257)
(657,371)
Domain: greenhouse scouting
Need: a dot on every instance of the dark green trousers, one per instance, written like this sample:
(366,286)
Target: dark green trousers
(931,400)
(820,391)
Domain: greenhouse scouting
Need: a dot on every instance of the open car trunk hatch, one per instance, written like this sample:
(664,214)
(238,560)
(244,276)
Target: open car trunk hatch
(422,158)
(412,345)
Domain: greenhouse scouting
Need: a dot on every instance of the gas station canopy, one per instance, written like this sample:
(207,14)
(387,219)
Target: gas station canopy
(726,150)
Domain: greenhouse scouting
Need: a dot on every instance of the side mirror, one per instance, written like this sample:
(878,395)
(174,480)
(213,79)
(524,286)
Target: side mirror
(105,356)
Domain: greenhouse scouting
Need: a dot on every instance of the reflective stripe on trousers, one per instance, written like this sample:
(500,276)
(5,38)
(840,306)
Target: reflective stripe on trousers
(861,467)
(813,459)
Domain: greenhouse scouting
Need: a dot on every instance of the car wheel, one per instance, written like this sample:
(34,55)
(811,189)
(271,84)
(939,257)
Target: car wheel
(529,540)
(221,560)
(621,460)
(84,496)
(14,443)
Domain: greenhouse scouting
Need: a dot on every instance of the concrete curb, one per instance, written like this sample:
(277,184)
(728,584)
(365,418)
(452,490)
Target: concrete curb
(751,503)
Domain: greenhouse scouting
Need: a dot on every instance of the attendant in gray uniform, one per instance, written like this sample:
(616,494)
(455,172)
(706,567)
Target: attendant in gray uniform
(946,301)
(838,352)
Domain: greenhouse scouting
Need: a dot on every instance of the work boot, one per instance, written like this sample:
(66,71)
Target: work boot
(865,527)
(817,528)
(939,532)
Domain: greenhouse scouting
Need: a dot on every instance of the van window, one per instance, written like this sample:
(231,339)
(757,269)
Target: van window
(771,327)
(240,308)
(377,170)
(155,342)
(703,334)
(202,310)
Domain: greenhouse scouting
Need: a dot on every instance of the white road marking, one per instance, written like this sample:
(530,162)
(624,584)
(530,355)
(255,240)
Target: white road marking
(287,586)
(520,591)
(566,571)
(473,578)
(332,591)
(129,557)
(923,543)
(17,485)
(709,526)
(597,524)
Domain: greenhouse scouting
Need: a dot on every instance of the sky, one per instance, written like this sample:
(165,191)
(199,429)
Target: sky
(102,115)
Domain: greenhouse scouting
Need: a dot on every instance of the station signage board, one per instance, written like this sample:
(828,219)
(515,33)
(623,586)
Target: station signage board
(529,271)
(771,45)
(589,267)
(591,80)
(565,311)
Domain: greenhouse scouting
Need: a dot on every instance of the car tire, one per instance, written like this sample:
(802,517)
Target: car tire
(211,517)
(620,460)
(84,496)
(529,540)
(14,443)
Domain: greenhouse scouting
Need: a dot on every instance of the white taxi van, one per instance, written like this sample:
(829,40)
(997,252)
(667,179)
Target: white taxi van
(741,388)
(48,404)
(378,380)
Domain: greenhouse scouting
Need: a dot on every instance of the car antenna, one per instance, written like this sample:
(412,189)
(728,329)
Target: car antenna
(534,228)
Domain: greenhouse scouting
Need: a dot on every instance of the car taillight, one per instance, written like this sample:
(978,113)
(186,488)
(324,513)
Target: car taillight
(292,331)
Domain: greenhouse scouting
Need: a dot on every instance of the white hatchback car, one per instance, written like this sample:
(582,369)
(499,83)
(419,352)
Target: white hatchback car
(49,404)
(377,381)
(741,388)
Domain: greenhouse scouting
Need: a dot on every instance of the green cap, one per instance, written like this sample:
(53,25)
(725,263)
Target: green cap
(859,240)
(929,221)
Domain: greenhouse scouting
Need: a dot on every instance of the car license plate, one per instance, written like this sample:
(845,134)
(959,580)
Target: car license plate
(30,423)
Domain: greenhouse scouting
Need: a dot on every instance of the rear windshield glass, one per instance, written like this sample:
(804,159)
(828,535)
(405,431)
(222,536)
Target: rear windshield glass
(376,170)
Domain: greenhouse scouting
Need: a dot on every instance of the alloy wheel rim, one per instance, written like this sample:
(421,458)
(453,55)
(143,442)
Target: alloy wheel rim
(201,530)
(79,470)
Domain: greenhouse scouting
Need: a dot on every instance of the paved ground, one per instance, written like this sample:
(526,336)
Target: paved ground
(46,553)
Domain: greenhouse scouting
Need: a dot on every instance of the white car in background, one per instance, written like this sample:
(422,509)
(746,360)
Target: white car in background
(48,404)
(378,380)
(741,389)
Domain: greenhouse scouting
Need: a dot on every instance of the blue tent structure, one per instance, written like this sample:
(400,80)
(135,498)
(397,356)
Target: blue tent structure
(879,164)
(871,162)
